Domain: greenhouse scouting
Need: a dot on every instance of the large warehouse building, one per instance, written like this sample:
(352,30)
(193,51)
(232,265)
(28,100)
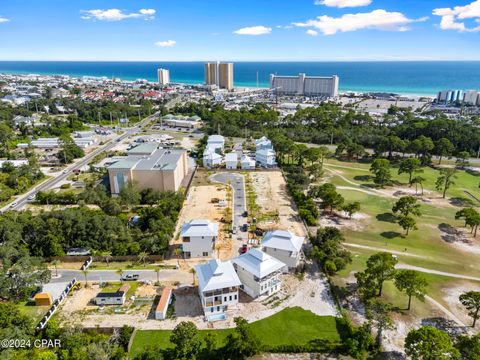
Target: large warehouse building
(149,167)
(302,85)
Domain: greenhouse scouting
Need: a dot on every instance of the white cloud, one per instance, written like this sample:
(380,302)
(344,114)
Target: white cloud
(312,32)
(166,43)
(254,30)
(3,20)
(377,19)
(343,3)
(117,14)
(451,17)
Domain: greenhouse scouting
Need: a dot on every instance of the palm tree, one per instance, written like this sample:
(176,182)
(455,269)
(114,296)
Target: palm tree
(142,257)
(193,272)
(107,255)
(157,270)
(55,264)
(85,273)
(178,252)
(120,273)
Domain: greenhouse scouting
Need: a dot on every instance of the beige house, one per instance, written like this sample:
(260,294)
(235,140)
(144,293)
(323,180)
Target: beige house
(149,167)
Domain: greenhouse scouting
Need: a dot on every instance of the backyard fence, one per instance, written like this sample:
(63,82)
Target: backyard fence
(41,325)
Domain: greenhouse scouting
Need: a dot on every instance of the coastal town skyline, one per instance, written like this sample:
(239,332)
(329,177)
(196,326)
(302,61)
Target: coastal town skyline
(307,30)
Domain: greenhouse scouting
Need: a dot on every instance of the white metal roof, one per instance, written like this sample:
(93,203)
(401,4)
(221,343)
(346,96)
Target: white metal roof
(258,263)
(215,138)
(200,227)
(283,240)
(232,156)
(216,274)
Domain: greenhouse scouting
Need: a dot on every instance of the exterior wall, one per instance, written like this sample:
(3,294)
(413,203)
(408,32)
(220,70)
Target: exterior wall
(110,300)
(265,160)
(257,287)
(199,245)
(218,301)
(226,76)
(114,178)
(291,260)
(231,165)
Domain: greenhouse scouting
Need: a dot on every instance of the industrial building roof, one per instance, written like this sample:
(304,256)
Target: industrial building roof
(160,159)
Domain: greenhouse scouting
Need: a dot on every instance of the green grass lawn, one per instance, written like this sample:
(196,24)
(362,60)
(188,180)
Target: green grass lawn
(127,265)
(113,286)
(35,313)
(291,326)
(357,172)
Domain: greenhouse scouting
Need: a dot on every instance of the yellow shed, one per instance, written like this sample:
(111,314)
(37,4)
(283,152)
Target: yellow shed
(43,299)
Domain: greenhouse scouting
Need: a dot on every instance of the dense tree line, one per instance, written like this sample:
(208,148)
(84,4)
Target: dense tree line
(328,123)
(52,233)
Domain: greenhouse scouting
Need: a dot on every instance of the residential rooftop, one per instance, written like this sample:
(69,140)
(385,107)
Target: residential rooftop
(216,274)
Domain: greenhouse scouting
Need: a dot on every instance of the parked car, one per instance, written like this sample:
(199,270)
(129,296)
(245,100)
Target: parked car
(31,197)
(245,214)
(245,227)
(234,230)
(130,277)
(244,249)
(13,204)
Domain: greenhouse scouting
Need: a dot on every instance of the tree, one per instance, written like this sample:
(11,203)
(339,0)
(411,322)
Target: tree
(429,343)
(242,343)
(469,347)
(409,166)
(186,341)
(351,208)
(193,272)
(445,180)
(471,301)
(55,264)
(407,223)
(380,267)
(107,255)
(328,250)
(418,180)
(331,199)
(142,257)
(443,147)
(68,150)
(381,171)
(462,159)
(378,313)
(85,274)
(120,274)
(130,194)
(411,283)
(407,205)
(471,217)
(211,342)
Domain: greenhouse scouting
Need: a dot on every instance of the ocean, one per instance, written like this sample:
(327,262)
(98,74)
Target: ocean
(402,77)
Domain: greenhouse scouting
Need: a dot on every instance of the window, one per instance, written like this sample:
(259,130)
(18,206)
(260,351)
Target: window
(186,239)
(230,297)
(205,253)
(211,309)
(225,298)
(218,308)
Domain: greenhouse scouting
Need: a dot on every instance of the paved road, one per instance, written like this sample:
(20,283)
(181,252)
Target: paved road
(237,182)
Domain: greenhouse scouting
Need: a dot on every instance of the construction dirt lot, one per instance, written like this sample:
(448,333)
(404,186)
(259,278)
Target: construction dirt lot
(272,197)
(199,205)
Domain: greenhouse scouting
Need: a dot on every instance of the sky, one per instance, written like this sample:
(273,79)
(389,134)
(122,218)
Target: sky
(240,30)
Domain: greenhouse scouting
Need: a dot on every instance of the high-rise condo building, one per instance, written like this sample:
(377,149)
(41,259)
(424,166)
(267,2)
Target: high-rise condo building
(219,74)
(163,76)
(302,85)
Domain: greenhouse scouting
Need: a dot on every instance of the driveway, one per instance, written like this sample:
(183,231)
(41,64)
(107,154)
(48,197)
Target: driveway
(237,182)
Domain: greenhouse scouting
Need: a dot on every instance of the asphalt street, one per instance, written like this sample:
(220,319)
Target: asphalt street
(237,182)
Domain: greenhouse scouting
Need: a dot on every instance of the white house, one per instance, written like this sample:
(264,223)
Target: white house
(198,238)
(218,285)
(211,158)
(216,142)
(231,160)
(247,163)
(112,298)
(265,157)
(259,273)
(284,246)
(263,143)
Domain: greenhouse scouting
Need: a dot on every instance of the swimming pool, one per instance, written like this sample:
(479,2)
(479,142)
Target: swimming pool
(216,317)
